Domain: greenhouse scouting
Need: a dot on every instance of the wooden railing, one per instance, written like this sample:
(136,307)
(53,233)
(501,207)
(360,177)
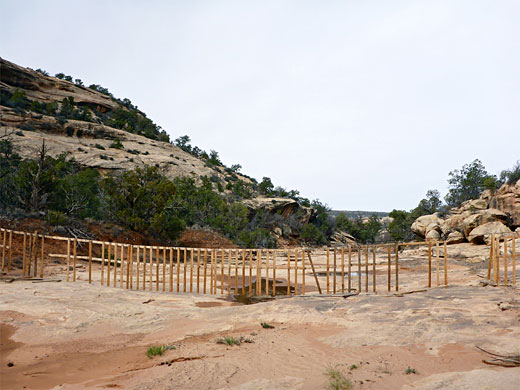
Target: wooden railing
(354,268)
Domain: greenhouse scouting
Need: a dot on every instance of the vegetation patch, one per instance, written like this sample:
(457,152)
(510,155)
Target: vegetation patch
(336,380)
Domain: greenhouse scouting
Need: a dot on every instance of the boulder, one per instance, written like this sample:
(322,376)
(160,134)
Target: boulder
(455,238)
(343,238)
(482,234)
(425,222)
(482,217)
(433,235)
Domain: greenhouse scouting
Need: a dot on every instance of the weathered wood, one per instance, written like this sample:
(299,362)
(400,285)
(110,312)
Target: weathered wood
(497,261)
(122,269)
(328,271)
(198,271)
(429,264)
(157,269)
(243,271)
(75,254)
(102,263)
(334,279)
(396,267)
(342,270)
(185,256)
(359,269)
(275,255)
(204,274)
(303,272)
(366,269)
(171,269)
(349,268)
(314,272)
(68,259)
(267,253)
(389,256)
(89,260)
(374,249)
(513,260)
(222,270)
(250,272)
(131,260)
(43,256)
(10,257)
(109,259)
(296,272)
(151,269)
(289,271)
(137,267)
(4,242)
(24,254)
(144,269)
(491,253)
(445,264)
(236,272)
(505,262)
(437,262)
(164,270)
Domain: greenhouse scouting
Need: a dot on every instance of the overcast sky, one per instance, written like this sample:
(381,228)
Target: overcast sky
(363,104)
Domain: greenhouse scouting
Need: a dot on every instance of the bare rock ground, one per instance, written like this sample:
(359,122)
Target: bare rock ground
(80,336)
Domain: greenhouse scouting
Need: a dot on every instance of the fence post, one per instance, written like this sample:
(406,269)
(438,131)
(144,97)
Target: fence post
(4,242)
(289,271)
(75,254)
(314,272)
(24,252)
(102,263)
(505,261)
(296,272)
(343,270)
(497,260)
(359,269)
(303,271)
(437,260)
(328,271)
(10,258)
(389,256)
(514,260)
(89,261)
(366,269)
(491,253)
(43,256)
(243,271)
(374,250)
(429,264)
(171,268)
(109,261)
(349,268)
(191,270)
(334,277)
(396,267)
(445,264)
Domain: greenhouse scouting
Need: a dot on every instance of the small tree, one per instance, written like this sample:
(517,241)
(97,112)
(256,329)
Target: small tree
(468,183)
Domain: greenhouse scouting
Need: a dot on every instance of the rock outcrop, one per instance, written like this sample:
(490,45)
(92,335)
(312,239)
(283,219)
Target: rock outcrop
(475,220)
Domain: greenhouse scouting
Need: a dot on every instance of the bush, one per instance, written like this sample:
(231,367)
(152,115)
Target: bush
(511,176)
(313,235)
(56,218)
(117,144)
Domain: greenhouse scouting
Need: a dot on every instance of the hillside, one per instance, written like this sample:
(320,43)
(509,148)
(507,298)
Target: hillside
(86,124)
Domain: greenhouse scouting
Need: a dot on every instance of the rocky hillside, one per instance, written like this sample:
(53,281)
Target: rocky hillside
(475,220)
(99,130)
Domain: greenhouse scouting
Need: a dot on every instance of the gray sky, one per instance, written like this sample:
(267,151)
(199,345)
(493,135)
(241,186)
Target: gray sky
(362,104)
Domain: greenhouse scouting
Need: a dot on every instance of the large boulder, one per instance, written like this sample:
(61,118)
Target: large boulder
(455,238)
(426,223)
(433,235)
(482,234)
(482,217)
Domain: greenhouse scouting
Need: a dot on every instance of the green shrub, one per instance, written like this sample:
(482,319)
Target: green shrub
(117,144)
(56,218)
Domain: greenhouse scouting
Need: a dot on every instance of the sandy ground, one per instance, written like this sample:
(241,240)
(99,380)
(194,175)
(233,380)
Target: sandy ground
(80,336)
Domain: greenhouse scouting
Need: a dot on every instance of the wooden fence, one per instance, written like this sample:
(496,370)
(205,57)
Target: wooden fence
(368,268)
(499,266)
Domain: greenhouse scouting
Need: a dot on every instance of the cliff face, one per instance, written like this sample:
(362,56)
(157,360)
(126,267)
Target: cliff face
(88,141)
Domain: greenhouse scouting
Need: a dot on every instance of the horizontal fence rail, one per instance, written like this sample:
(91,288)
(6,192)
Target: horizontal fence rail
(243,272)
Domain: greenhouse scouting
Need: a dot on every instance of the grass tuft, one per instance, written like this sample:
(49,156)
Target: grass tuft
(158,350)
(265,325)
(410,370)
(337,380)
